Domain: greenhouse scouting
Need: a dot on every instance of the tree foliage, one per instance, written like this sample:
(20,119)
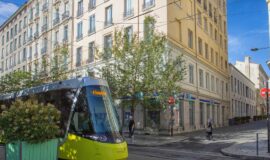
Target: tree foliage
(29,121)
(143,70)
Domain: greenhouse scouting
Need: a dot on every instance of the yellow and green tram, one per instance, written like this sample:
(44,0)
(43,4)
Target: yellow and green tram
(89,122)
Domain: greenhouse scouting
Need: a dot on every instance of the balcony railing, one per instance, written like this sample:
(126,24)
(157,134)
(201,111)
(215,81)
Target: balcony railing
(108,23)
(65,40)
(79,37)
(56,1)
(129,13)
(80,12)
(91,6)
(44,28)
(36,34)
(37,14)
(45,7)
(43,50)
(30,38)
(78,64)
(148,4)
(56,45)
(65,15)
(56,20)
(92,30)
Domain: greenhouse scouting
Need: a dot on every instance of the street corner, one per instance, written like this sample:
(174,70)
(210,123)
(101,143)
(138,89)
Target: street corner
(247,151)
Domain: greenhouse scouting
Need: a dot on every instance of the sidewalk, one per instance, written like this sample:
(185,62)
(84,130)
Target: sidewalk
(153,140)
(248,150)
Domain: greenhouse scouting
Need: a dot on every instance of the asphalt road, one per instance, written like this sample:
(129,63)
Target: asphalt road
(196,147)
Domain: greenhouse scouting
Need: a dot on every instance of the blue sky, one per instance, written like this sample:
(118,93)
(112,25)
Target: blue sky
(247,28)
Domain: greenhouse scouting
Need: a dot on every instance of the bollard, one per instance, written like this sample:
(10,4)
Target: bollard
(257,144)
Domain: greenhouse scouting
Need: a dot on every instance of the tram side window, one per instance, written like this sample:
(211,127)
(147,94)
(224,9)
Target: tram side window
(81,123)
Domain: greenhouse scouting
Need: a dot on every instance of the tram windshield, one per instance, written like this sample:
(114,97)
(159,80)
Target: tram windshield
(95,116)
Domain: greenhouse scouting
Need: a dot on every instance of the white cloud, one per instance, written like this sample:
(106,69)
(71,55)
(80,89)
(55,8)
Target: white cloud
(235,45)
(6,10)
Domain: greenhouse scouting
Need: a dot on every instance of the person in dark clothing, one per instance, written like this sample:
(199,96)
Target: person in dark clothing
(209,130)
(131,126)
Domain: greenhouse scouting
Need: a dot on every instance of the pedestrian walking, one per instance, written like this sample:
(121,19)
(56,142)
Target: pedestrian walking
(209,130)
(131,126)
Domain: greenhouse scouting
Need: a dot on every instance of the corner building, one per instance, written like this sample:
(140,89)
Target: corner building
(195,28)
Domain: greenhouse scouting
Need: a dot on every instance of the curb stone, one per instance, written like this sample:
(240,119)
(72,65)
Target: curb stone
(226,153)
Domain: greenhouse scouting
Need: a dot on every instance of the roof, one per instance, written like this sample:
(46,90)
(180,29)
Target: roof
(67,84)
(13,15)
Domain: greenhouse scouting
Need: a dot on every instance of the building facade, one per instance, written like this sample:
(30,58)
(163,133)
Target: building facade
(242,94)
(259,77)
(195,28)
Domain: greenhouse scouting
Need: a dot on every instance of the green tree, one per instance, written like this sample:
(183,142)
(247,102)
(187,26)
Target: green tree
(16,81)
(145,70)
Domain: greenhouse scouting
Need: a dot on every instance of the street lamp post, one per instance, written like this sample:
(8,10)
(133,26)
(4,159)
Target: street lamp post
(267,100)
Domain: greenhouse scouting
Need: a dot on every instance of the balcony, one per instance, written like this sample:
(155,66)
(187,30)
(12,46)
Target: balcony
(79,12)
(56,2)
(65,40)
(91,31)
(44,28)
(36,14)
(56,20)
(36,54)
(129,13)
(65,15)
(56,45)
(43,50)
(108,23)
(91,6)
(45,7)
(148,4)
(36,34)
(79,37)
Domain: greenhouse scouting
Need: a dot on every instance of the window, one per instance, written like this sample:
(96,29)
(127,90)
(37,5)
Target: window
(191,73)
(108,16)
(79,56)
(232,83)
(65,33)
(201,78)
(148,3)
(214,114)
(217,86)
(24,54)
(216,58)
(200,46)
(180,31)
(205,5)
(107,46)
(201,113)
(212,55)
(30,53)
(181,113)
(91,52)
(211,30)
(190,38)
(92,25)
(92,4)
(207,80)
(79,30)
(7,36)
(210,10)
(205,24)
(199,17)
(212,83)
(206,51)
(129,33)
(149,26)
(191,113)
(56,37)
(3,40)
(128,8)
(80,8)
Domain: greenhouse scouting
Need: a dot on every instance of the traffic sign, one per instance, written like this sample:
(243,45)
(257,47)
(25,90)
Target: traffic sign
(171,100)
(263,92)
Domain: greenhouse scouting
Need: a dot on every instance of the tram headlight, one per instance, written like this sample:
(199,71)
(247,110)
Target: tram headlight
(101,138)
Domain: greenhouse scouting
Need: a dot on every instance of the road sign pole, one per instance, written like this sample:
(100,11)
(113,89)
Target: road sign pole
(267,109)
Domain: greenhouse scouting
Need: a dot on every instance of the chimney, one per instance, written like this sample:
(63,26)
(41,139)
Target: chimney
(247,66)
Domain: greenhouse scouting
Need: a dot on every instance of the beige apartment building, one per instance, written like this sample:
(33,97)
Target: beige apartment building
(195,28)
(31,35)
(242,94)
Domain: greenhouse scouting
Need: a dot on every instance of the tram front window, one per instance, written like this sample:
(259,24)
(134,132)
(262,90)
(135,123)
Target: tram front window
(95,117)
